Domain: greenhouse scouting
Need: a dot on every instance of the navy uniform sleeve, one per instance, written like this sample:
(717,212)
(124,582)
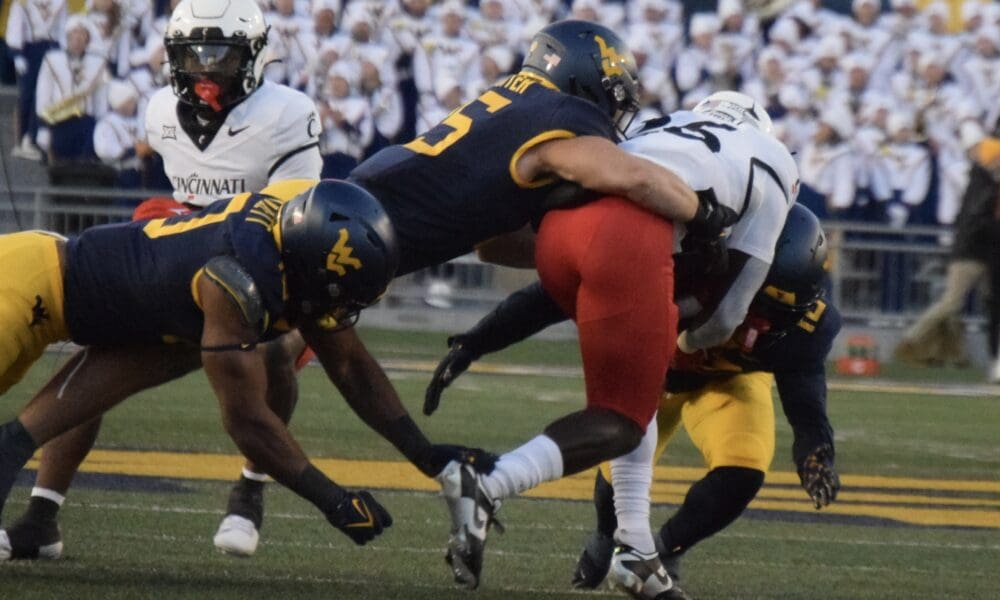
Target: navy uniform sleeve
(802,385)
(256,250)
(521,315)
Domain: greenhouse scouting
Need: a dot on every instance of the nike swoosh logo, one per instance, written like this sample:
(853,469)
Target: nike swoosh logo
(233,132)
(362,510)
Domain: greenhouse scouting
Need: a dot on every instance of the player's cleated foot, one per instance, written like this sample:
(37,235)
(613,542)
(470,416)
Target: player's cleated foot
(594,562)
(642,576)
(236,536)
(238,533)
(472,513)
(671,560)
(31,540)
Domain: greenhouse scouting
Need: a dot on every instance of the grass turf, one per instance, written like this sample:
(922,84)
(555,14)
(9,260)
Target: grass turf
(127,540)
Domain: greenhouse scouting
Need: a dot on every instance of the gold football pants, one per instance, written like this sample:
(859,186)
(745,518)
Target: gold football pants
(31,301)
(730,421)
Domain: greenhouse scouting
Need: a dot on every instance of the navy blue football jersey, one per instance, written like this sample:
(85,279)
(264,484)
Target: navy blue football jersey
(135,282)
(456,185)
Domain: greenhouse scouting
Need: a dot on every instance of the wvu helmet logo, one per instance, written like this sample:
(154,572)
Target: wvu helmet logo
(340,256)
(611,61)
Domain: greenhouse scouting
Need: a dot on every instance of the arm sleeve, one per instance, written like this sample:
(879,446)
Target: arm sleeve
(521,315)
(802,384)
(732,309)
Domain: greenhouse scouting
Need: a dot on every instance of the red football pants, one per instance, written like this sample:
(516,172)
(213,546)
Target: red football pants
(608,265)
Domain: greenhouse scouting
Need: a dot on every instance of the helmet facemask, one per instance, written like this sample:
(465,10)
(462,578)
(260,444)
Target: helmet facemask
(211,71)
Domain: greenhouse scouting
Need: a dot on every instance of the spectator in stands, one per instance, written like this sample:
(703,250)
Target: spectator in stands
(910,166)
(405,29)
(106,24)
(385,103)
(495,64)
(797,124)
(738,40)
(824,73)
(290,45)
(692,71)
(973,257)
(827,166)
(33,28)
(770,77)
(850,87)
(492,26)
(117,136)
(450,51)
(661,33)
(347,121)
(71,94)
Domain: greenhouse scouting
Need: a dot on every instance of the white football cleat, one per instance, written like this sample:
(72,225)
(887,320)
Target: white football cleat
(642,576)
(472,513)
(237,536)
(51,551)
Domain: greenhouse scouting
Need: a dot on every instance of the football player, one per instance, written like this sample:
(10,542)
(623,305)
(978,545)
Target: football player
(151,300)
(221,130)
(621,297)
(723,397)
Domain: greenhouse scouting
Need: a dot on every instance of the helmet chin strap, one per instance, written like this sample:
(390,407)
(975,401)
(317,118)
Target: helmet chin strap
(208,91)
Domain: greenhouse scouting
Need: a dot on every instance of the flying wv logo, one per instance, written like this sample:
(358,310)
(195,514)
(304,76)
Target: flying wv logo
(340,256)
(611,61)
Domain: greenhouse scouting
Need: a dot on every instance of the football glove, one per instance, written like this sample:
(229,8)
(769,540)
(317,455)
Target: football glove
(711,218)
(360,517)
(818,476)
(454,363)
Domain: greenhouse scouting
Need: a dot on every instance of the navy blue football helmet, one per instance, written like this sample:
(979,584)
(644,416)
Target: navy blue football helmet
(339,250)
(589,61)
(794,283)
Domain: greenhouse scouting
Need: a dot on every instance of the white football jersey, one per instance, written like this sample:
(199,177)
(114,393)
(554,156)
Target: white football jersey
(751,172)
(270,136)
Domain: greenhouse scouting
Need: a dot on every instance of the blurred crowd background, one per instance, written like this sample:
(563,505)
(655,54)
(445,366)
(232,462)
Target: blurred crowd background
(883,103)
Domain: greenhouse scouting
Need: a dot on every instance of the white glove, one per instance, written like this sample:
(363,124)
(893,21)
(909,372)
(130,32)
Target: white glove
(20,65)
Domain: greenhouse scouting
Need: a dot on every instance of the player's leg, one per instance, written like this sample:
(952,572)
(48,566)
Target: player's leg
(595,559)
(732,423)
(238,534)
(608,265)
(90,383)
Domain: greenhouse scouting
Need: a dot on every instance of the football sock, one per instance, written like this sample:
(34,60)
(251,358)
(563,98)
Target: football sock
(246,500)
(710,506)
(43,505)
(16,447)
(525,467)
(631,478)
(604,503)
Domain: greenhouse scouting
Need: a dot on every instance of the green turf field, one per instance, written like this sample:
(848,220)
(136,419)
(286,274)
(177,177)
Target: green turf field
(130,536)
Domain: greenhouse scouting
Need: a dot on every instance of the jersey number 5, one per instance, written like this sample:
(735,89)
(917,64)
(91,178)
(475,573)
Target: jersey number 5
(455,126)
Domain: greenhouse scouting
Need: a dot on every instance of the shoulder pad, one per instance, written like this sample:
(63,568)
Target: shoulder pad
(229,274)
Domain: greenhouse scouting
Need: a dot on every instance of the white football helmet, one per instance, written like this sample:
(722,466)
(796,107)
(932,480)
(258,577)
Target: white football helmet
(216,51)
(736,108)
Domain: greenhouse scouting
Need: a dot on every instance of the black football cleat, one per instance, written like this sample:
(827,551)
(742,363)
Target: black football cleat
(594,562)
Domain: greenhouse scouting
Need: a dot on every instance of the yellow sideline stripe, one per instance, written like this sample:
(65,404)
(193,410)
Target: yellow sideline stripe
(889,497)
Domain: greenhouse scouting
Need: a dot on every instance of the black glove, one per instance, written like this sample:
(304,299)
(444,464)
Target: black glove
(711,218)
(434,459)
(360,517)
(818,476)
(454,363)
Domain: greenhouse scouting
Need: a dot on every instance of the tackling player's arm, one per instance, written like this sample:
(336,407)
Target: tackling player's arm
(598,164)
(238,377)
(802,389)
(367,390)
(515,249)
(521,315)
(740,284)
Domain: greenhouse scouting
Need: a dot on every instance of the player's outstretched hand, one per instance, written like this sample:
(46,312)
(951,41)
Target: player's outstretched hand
(360,517)
(437,456)
(451,366)
(818,476)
